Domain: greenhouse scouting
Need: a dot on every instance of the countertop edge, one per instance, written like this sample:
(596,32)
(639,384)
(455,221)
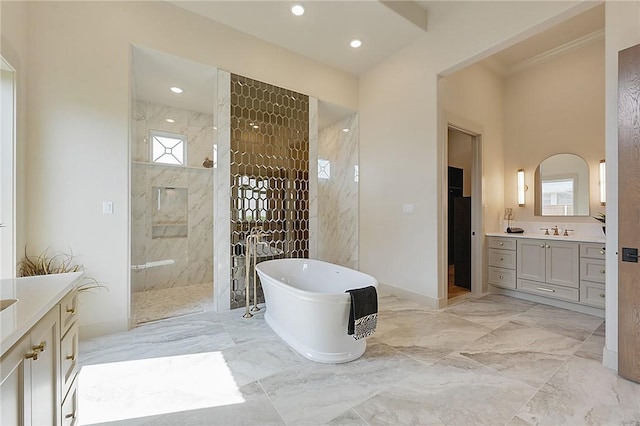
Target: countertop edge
(8,341)
(571,238)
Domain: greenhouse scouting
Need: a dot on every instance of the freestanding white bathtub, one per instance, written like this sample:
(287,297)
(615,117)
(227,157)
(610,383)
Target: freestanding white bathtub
(308,308)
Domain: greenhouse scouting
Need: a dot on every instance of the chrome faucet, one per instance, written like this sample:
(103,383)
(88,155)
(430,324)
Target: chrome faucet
(555,230)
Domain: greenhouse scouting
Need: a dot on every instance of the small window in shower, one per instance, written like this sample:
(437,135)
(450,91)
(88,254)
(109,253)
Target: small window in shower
(324,169)
(168,148)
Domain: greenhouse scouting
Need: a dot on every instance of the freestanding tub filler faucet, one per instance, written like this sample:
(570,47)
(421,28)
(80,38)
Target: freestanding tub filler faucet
(251,243)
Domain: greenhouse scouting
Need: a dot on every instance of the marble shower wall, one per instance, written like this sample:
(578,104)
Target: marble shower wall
(173,260)
(338,195)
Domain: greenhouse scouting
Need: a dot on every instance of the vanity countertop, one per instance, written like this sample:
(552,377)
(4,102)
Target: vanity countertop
(541,236)
(36,296)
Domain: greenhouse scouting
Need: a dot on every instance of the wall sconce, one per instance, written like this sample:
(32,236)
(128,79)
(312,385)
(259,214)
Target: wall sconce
(521,187)
(603,183)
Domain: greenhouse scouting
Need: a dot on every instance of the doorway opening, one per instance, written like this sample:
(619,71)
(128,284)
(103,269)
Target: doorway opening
(463,195)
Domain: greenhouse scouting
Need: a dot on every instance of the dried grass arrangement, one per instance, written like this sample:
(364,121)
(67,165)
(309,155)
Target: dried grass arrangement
(61,263)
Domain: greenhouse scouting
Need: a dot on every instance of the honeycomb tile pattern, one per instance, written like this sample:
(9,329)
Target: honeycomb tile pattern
(269,174)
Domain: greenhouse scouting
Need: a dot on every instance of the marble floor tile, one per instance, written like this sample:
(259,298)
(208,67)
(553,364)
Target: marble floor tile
(317,393)
(593,345)
(455,366)
(453,391)
(521,352)
(426,336)
(349,418)
(254,409)
(584,392)
(561,321)
(492,310)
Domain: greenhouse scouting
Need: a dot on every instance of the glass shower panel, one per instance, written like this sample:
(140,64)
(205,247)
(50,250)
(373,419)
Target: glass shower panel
(269,175)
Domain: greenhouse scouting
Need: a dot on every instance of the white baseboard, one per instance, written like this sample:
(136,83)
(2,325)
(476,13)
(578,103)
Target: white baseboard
(610,359)
(428,301)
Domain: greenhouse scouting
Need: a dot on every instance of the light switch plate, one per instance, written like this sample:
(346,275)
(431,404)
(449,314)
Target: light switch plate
(407,208)
(107,207)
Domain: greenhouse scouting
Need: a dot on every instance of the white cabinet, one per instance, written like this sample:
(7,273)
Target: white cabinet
(30,375)
(38,373)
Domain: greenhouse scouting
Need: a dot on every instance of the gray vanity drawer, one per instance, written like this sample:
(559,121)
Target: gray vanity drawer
(592,270)
(549,290)
(594,251)
(502,243)
(500,277)
(592,294)
(502,258)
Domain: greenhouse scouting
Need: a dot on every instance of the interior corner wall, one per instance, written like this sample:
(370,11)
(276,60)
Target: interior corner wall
(78,119)
(14,48)
(555,107)
(400,133)
(622,30)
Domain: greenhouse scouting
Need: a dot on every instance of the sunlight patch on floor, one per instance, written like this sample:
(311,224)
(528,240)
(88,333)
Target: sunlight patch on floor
(148,387)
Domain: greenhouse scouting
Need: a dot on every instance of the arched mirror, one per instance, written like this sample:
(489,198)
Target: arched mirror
(562,186)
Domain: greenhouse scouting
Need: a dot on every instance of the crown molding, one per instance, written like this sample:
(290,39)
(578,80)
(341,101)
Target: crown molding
(557,51)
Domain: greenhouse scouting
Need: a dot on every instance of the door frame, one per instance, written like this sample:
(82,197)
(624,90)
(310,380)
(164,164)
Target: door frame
(8,176)
(476,131)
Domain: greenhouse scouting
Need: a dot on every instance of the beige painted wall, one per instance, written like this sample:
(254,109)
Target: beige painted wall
(401,152)
(552,108)
(622,30)
(78,115)
(13,47)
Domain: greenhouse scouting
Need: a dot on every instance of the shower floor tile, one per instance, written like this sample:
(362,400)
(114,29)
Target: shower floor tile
(153,305)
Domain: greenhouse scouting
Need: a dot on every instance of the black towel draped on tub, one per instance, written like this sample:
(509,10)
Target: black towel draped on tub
(363,315)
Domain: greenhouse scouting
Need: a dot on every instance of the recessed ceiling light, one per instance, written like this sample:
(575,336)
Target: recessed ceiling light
(297,10)
(346,130)
(355,43)
(176,89)
(170,120)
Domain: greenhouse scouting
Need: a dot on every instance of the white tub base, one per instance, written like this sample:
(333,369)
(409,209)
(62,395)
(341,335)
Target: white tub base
(356,351)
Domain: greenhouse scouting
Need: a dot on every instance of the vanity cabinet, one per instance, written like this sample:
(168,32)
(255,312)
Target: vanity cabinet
(29,375)
(549,262)
(38,374)
(501,258)
(592,274)
(567,271)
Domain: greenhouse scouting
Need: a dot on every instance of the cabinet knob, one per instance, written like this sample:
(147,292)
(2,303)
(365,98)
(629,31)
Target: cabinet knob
(602,271)
(33,355)
(71,357)
(501,244)
(40,347)
(70,416)
(501,277)
(602,295)
(601,251)
(541,245)
(502,258)
(547,246)
(71,310)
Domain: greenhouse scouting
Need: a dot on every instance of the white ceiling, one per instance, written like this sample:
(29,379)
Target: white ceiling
(323,34)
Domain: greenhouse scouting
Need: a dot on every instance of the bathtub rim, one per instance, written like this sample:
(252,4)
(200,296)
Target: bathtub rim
(312,295)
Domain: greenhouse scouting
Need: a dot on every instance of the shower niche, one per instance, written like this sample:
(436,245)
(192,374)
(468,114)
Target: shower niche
(169,217)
